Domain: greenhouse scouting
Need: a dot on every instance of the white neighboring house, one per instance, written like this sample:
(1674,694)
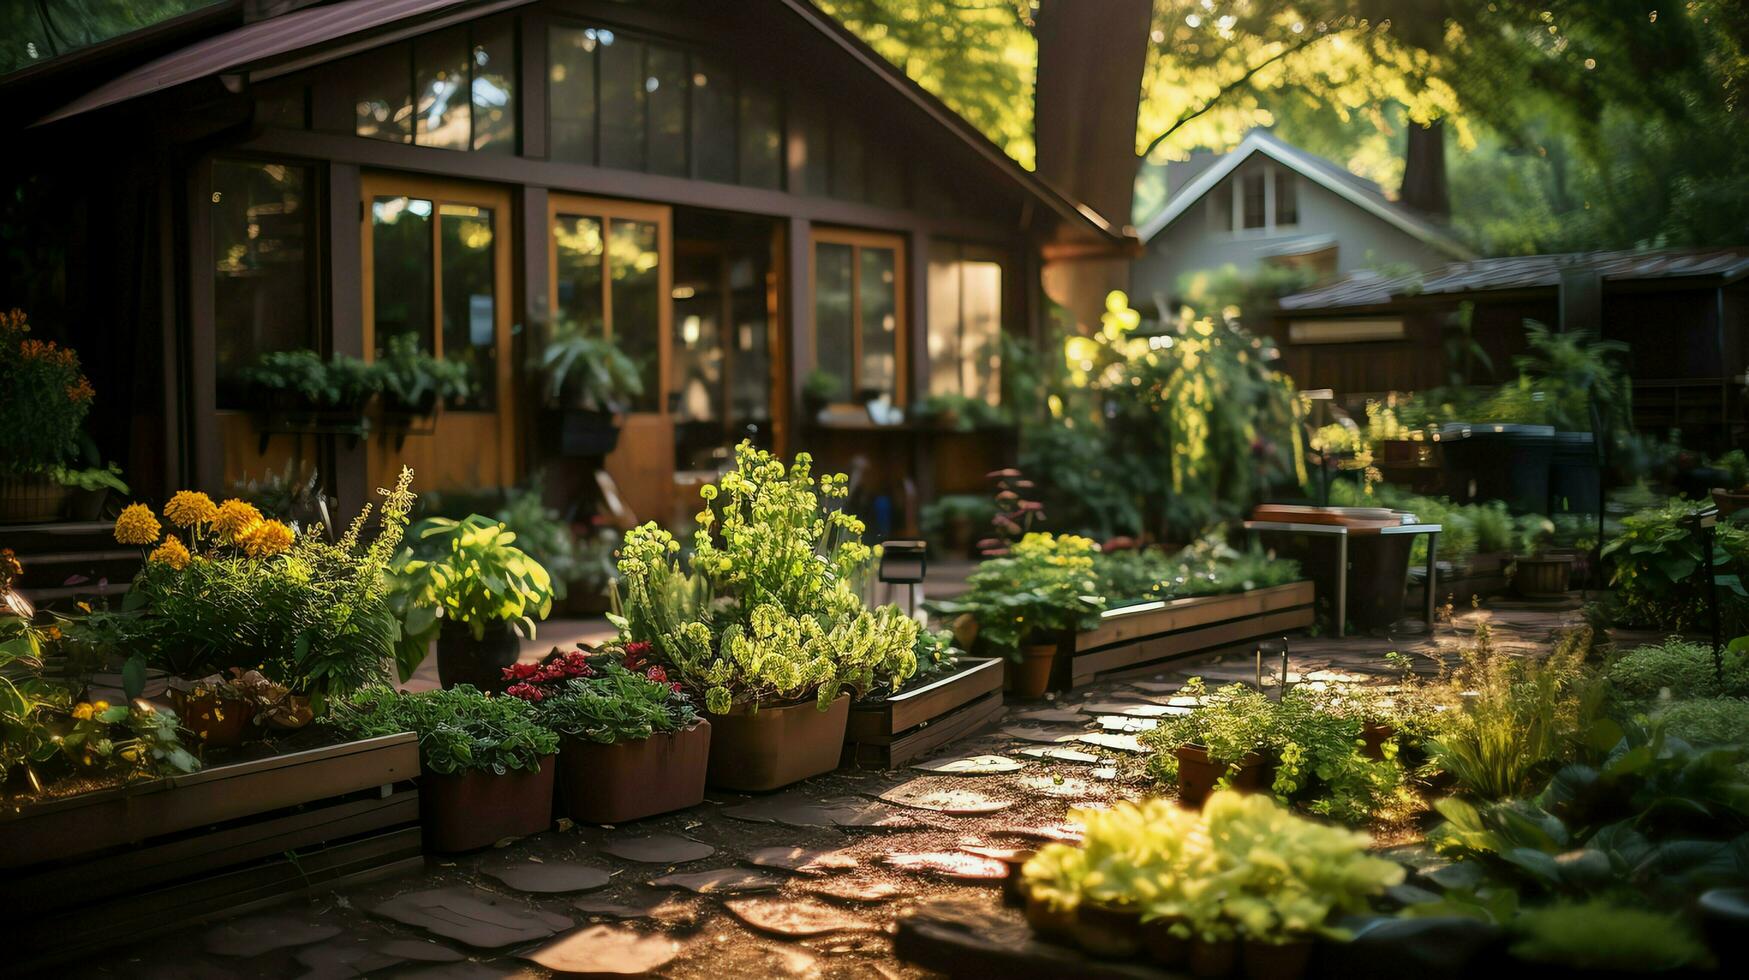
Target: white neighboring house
(1269,201)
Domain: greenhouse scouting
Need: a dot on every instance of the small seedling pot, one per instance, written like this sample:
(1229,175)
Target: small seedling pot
(631,780)
(1056,925)
(476,808)
(1031,676)
(776,745)
(219,722)
(1213,959)
(461,659)
(1165,948)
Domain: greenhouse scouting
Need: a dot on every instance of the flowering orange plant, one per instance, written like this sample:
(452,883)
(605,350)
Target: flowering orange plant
(44,398)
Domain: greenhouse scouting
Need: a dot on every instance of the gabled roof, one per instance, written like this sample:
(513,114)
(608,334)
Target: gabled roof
(1701,266)
(1335,178)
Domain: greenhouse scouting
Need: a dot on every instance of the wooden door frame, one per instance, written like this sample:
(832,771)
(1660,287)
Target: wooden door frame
(439,191)
(858,239)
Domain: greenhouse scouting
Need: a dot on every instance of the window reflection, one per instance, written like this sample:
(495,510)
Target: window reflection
(634,293)
(665,85)
(442,115)
(761,135)
(571,93)
(453,89)
(493,88)
(965,323)
(713,121)
(879,315)
(261,270)
(383,108)
(834,325)
(621,69)
(469,303)
(401,270)
(578,251)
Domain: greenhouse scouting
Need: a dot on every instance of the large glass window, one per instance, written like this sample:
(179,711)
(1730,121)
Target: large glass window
(720,363)
(620,63)
(261,226)
(859,336)
(1256,213)
(713,122)
(965,322)
(452,89)
(1287,202)
(571,93)
(761,137)
(665,85)
(607,279)
(433,277)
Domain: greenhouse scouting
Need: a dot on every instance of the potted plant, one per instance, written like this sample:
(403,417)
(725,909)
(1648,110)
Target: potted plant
(44,398)
(588,383)
(766,623)
(1537,574)
(1227,741)
(1023,602)
(487,761)
(820,389)
(952,521)
(223,710)
(416,384)
(466,583)
(1734,496)
(631,745)
(88,488)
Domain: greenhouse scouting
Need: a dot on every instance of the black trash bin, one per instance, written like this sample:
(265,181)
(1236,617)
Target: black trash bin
(1574,482)
(1498,461)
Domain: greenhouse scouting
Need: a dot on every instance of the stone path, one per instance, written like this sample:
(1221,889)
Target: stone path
(805,882)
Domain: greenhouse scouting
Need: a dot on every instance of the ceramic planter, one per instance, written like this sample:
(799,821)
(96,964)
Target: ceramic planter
(776,745)
(1275,961)
(1545,576)
(1499,462)
(1030,677)
(1198,774)
(1165,948)
(1213,959)
(461,659)
(219,722)
(1109,933)
(476,808)
(31,498)
(626,781)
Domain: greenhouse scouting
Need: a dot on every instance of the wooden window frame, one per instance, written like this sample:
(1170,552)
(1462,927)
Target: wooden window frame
(858,240)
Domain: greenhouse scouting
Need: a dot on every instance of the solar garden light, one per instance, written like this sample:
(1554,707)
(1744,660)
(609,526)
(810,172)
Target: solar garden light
(1703,522)
(904,563)
(1269,646)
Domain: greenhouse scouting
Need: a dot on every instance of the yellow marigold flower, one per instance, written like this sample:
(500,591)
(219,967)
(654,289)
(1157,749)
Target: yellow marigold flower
(190,507)
(136,525)
(266,539)
(172,552)
(83,711)
(235,518)
(100,706)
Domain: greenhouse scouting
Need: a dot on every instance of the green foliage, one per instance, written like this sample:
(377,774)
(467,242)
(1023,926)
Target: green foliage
(615,705)
(1242,296)
(822,386)
(586,371)
(89,477)
(541,532)
(1682,668)
(1599,935)
(1571,370)
(1043,587)
(1707,721)
(768,609)
(1208,566)
(415,381)
(1654,563)
(1469,529)
(939,514)
(474,576)
(1736,466)
(44,398)
(459,729)
(967,414)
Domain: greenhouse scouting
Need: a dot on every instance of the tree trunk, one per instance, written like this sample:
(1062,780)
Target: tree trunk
(1090,59)
(1424,184)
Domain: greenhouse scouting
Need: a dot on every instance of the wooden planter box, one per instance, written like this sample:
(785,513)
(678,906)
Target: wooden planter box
(893,731)
(147,857)
(1136,636)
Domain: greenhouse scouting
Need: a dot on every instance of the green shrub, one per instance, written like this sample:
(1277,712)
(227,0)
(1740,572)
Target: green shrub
(1654,566)
(1707,721)
(1043,587)
(459,729)
(1682,668)
(1599,935)
(1208,566)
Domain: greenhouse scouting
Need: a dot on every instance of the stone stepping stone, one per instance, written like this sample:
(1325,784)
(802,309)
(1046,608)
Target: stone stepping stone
(1155,687)
(479,919)
(550,878)
(1336,677)
(801,860)
(853,813)
(970,765)
(1134,709)
(789,811)
(722,881)
(265,933)
(1033,733)
(634,907)
(967,939)
(953,864)
(1117,742)
(1107,773)
(659,849)
(1061,754)
(956,802)
(1051,716)
(1007,855)
(857,892)
(341,960)
(457,971)
(605,951)
(1057,785)
(1068,833)
(1125,723)
(795,918)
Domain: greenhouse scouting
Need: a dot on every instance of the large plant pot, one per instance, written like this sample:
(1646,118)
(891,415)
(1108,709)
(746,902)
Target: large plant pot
(476,808)
(1575,477)
(1729,502)
(1109,933)
(1499,462)
(1198,774)
(1724,919)
(1030,677)
(1164,948)
(776,746)
(1542,577)
(587,434)
(30,499)
(461,659)
(219,722)
(1213,959)
(1275,961)
(631,780)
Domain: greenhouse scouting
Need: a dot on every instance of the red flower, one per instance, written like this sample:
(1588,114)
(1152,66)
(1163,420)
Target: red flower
(675,687)
(525,691)
(635,653)
(522,672)
(658,675)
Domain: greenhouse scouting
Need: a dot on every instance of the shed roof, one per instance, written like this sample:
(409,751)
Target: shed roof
(1706,266)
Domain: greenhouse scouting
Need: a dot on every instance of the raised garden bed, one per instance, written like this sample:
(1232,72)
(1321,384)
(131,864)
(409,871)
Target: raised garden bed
(1483,575)
(146,857)
(892,731)
(1134,636)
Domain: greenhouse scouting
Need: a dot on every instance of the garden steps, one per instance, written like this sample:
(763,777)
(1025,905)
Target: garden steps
(71,559)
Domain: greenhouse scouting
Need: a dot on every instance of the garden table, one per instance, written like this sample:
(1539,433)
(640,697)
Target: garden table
(1340,535)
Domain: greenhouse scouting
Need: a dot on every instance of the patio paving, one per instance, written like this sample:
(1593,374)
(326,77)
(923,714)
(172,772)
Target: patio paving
(804,882)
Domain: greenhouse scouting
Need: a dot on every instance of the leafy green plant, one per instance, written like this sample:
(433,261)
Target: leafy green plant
(415,381)
(822,387)
(459,729)
(540,531)
(1654,561)
(602,699)
(1042,587)
(1677,666)
(1707,721)
(1736,466)
(44,398)
(586,371)
(939,516)
(472,574)
(1208,566)
(967,414)
(1600,935)
(89,478)
(1571,370)
(768,609)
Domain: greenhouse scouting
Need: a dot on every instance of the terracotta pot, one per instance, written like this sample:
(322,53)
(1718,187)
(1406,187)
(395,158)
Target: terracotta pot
(1197,774)
(777,745)
(1375,734)
(31,498)
(217,721)
(109,685)
(1031,676)
(1048,922)
(1729,502)
(631,780)
(1217,959)
(461,659)
(1275,961)
(1544,576)
(476,807)
(1110,933)
(1163,947)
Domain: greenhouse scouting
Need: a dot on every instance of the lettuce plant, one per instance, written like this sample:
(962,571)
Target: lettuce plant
(459,729)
